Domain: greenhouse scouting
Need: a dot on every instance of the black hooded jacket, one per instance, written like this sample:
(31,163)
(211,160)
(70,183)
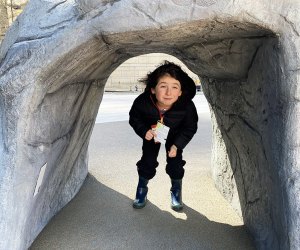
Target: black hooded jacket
(182,119)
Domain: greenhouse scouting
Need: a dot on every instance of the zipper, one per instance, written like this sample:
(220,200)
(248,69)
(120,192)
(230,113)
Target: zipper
(161,116)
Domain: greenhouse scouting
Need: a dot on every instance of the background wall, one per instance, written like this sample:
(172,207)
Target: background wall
(126,76)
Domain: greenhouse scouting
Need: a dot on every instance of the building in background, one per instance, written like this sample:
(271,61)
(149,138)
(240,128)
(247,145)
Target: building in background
(126,76)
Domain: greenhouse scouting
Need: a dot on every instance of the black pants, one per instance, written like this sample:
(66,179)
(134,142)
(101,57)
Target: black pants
(147,165)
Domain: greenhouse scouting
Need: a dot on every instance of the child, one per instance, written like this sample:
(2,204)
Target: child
(165,109)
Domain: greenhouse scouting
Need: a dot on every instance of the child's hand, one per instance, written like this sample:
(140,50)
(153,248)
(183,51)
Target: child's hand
(173,151)
(149,135)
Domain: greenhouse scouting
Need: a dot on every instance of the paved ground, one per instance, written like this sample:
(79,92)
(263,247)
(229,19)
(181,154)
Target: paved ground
(101,215)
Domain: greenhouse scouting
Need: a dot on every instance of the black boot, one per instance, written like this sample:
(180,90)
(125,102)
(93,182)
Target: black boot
(141,193)
(176,197)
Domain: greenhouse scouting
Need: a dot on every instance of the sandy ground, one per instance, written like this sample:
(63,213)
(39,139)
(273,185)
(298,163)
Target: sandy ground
(101,215)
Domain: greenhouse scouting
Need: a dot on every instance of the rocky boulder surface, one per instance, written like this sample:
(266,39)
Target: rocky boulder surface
(54,62)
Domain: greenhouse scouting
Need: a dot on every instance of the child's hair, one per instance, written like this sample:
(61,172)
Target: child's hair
(188,86)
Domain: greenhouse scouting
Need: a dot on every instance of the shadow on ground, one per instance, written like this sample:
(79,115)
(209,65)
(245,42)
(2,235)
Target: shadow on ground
(101,218)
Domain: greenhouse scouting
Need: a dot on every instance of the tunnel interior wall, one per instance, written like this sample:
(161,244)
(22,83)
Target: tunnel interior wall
(60,120)
(61,149)
(248,129)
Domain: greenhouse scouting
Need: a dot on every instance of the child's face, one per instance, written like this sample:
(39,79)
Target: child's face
(167,91)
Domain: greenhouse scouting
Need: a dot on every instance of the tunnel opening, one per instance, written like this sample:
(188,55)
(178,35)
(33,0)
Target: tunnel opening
(240,74)
(115,108)
(113,152)
(116,104)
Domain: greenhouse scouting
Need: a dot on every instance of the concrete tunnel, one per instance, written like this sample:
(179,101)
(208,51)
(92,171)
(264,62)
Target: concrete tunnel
(53,87)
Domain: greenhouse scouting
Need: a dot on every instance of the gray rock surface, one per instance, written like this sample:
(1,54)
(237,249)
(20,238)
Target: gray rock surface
(54,62)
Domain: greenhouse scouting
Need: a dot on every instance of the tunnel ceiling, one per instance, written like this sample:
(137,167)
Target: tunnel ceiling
(209,49)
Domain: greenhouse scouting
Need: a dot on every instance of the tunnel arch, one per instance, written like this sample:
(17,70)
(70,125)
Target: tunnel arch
(216,63)
(51,92)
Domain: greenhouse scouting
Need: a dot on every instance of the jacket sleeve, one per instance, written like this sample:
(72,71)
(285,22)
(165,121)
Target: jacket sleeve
(189,128)
(136,119)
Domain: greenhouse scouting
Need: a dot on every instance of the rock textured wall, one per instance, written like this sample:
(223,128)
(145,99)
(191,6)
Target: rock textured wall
(247,115)
(54,63)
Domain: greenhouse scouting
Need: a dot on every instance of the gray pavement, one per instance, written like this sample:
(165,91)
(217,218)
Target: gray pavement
(101,215)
